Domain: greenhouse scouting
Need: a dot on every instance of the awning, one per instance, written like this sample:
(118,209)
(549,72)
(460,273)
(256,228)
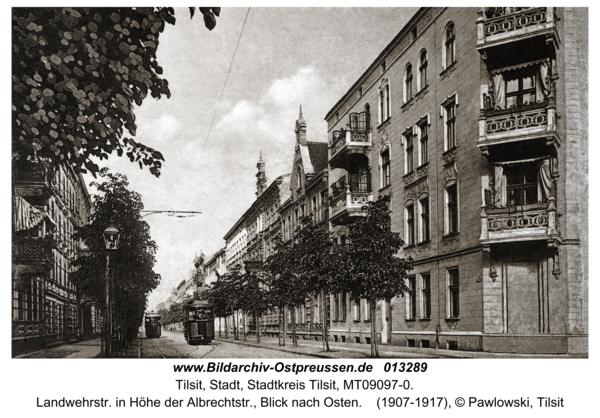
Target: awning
(519,66)
(529,160)
(27,216)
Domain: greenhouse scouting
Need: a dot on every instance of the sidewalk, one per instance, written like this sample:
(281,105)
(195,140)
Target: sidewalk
(85,349)
(352,350)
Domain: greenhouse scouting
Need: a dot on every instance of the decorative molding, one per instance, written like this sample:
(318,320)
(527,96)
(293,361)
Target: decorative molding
(422,170)
(409,178)
(449,156)
(421,93)
(407,105)
(450,173)
(424,324)
(453,324)
(451,239)
(414,192)
(448,70)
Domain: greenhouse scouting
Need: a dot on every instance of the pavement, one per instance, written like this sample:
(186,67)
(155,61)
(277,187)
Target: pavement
(352,350)
(93,349)
(84,349)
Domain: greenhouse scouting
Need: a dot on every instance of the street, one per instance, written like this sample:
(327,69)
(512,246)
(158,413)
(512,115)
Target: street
(173,345)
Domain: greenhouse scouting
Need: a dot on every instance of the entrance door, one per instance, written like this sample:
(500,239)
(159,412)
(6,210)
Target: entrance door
(523,298)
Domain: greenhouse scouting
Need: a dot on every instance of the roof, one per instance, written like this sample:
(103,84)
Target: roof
(318,155)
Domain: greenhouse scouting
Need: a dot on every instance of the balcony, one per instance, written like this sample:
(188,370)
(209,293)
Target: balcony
(525,223)
(499,26)
(347,205)
(33,250)
(355,139)
(535,122)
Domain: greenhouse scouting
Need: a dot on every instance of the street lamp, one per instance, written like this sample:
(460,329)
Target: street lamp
(111,241)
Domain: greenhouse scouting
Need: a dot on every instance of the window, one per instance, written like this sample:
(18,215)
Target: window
(342,306)
(449,45)
(408,82)
(383,67)
(453,293)
(336,308)
(520,88)
(360,179)
(450,118)
(424,209)
(385,168)
(409,151)
(410,224)
(384,100)
(422,80)
(425,296)
(356,309)
(451,209)
(367,310)
(411,300)
(423,144)
(521,185)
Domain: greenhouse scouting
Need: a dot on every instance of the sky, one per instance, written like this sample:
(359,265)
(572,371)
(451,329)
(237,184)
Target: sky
(286,57)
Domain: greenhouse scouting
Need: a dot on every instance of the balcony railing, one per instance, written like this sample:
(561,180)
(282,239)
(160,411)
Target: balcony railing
(346,205)
(528,122)
(32,249)
(498,24)
(523,225)
(345,138)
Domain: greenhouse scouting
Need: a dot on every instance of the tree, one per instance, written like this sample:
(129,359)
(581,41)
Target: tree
(132,264)
(373,270)
(254,297)
(77,74)
(318,266)
(286,288)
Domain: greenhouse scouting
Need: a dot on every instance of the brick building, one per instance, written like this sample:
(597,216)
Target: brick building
(48,206)
(474,121)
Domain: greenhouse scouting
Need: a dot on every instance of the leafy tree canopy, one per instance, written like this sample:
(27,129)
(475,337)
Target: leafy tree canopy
(77,74)
(132,264)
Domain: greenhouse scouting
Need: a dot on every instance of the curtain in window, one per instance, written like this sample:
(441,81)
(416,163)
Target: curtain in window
(545,185)
(499,187)
(542,88)
(499,91)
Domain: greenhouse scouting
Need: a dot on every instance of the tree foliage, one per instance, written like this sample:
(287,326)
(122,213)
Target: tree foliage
(372,269)
(132,264)
(77,74)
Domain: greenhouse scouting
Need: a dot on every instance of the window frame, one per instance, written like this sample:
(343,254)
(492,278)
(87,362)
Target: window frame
(409,211)
(425,295)
(451,212)
(385,110)
(450,125)
(424,220)
(385,168)
(453,296)
(408,83)
(411,299)
(422,64)
(423,126)
(449,45)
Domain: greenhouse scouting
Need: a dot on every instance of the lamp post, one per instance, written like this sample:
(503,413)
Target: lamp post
(111,241)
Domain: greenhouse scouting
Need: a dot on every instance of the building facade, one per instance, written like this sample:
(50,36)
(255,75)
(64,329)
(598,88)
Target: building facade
(474,121)
(308,197)
(48,206)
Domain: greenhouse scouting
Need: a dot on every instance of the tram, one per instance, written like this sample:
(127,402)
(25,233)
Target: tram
(152,325)
(199,322)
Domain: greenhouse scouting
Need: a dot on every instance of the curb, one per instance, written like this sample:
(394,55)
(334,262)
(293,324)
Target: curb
(274,348)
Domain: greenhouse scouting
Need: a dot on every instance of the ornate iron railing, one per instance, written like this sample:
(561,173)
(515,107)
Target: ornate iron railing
(514,121)
(345,137)
(349,200)
(507,22)
(505,222)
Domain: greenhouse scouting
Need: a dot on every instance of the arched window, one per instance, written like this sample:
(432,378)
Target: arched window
(422,80)
(449,52)
(408,83)
(384,101)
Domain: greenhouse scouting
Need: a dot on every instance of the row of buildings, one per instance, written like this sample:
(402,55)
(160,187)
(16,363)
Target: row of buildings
(48,206)
(474,122)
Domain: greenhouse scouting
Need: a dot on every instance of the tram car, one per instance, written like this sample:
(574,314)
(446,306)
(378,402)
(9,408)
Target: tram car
(199,322)
(152,325)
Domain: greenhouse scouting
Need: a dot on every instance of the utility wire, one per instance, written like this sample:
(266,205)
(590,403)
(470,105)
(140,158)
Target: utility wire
(226,78)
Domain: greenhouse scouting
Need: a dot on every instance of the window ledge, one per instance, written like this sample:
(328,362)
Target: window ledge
(422,92)
(357,320)
(367,320)
(448,70)
(422,166)
(410,173)
(384,123)
(450,237)
(409,247)
(424,243)
(384,188)
(425,319)
(452,319)
(410,320)
(408,104)
(449,151)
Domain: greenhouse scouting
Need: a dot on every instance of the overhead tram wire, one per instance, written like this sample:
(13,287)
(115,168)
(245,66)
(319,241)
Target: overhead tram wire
(226,78)
(175,213)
